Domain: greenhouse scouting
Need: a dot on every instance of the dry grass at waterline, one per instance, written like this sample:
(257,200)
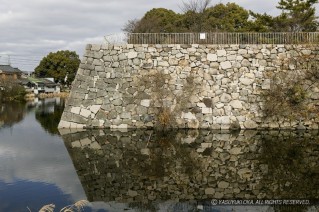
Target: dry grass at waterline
(165,117)
(50,95)
(76,207)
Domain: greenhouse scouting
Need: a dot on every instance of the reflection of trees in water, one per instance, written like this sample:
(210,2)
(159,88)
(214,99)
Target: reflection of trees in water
(49,115)
(11,113)
(292,160)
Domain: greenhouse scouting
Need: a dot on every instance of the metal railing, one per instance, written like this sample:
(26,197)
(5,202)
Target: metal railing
(215,38)
(119,38)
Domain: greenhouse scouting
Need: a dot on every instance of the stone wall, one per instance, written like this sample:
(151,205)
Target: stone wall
(179,86)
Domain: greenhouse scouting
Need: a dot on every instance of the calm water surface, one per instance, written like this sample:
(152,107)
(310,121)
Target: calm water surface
(151,171)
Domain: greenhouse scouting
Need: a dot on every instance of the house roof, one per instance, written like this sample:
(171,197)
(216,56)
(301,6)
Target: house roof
(40,81)
(9,69)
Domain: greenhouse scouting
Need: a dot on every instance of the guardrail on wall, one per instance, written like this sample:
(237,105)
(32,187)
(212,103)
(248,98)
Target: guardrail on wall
(215,38)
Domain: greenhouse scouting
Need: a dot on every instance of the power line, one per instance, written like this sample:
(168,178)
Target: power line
(20,60)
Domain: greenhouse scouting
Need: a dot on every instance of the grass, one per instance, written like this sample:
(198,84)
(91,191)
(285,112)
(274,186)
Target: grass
(78,206)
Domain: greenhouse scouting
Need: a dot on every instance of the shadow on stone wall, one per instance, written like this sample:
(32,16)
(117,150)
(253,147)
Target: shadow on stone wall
(147,168)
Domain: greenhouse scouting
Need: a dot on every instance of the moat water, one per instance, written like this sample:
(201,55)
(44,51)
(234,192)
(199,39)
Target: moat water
(147,170)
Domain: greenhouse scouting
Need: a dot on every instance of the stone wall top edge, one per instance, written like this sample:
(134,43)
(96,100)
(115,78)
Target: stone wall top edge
(128,46)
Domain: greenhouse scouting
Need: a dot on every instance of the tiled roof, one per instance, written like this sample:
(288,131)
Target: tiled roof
(9,69)
(40,81)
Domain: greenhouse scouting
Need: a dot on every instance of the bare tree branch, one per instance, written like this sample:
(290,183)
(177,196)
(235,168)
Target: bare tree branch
(197,6)
(196,12)
(130,26)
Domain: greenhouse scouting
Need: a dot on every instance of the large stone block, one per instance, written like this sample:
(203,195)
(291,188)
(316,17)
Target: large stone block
(75,110)
(209,191)
(64,124)
(221,53)
(223,120)
(242,51)
(99,68)
(266,84)
(245,63)
(212,57)
(96,47)
(206,110)
(85,113)
(188,115)
(132,55)
(224,98)
(246,81)
(250,124)
(98,55)
(122,57)
(236,104)
(225,65)
(145,102)
(126,115)
(121,126)
(223,184)
(163,63)
(95,108)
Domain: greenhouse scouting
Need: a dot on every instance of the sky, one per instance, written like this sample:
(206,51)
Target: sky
(30,29)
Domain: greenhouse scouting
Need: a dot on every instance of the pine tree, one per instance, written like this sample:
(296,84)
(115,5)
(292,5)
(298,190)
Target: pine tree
(298,15)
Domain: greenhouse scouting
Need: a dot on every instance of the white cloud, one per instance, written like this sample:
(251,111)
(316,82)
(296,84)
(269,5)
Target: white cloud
(5,17)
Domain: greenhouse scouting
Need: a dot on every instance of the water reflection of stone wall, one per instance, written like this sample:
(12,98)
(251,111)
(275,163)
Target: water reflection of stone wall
(145,166)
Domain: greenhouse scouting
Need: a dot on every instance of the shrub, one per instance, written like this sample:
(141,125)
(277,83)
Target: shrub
(296,95)
(11,91)
(286,98)
(165,117)
(165,99)
(289,93)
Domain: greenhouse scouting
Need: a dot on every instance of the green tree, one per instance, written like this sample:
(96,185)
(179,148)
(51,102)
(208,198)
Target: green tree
(198,16)
(50,120)
(298,15)
(227,18)
(155,20)
(262,22)
(59,65)
(193,18)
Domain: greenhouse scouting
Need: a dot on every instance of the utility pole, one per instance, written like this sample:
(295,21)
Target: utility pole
(9,61)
